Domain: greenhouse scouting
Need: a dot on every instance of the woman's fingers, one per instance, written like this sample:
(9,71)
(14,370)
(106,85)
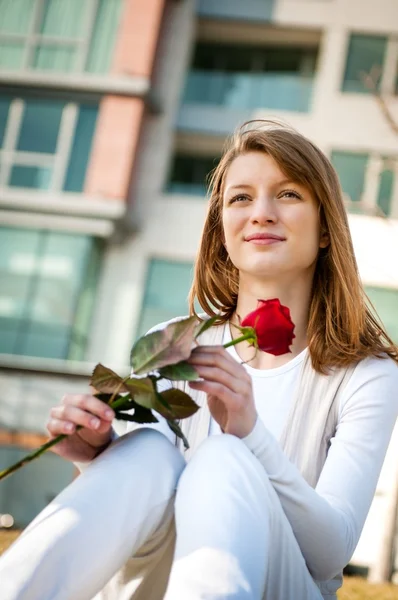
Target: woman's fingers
(80,409)
(57,426)
(218,390)
(89,404)
(214,363)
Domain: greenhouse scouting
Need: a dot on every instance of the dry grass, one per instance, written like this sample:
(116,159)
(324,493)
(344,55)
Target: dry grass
(354,588)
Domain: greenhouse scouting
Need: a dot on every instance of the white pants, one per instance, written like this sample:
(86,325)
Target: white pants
(140,523)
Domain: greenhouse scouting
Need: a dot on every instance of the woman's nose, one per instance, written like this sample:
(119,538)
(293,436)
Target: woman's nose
(263,210)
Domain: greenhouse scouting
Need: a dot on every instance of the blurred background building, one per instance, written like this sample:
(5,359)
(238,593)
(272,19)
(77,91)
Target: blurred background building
(112,113)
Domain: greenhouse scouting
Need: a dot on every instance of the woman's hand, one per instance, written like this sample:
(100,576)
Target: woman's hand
(228,387)
(96,420)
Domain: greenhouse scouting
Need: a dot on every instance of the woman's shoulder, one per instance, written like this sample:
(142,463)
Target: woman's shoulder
(377,367)
(373,381)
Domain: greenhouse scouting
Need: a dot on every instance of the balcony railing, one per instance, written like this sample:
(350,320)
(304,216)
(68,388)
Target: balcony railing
(275,91)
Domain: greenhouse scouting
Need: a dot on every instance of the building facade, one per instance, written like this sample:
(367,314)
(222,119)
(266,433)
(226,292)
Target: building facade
(112,113)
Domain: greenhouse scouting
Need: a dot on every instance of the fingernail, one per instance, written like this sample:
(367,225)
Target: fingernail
(95,423)
(69,427)
(109,413)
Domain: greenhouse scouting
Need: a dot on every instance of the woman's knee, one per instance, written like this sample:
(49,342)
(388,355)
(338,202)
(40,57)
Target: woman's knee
(146,447)
(221,450)
(224,461)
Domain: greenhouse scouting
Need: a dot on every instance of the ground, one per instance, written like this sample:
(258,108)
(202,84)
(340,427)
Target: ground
(354,588)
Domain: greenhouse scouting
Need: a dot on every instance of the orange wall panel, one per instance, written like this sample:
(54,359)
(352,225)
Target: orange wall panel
(115,143)
(137,37)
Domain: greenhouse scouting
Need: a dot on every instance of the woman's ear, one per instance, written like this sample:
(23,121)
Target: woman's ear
(324,240)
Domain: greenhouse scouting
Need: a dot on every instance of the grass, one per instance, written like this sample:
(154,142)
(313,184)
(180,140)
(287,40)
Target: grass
(354,588)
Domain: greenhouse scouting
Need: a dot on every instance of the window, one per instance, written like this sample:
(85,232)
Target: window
(364,53)
(26,493)
(385,302)
(58,35)
(351,169)
(386,185)
(47,287)
(189,174)
(45,143)
(166,292)
(239,76)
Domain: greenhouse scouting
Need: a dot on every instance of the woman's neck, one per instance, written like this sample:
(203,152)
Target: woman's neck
(296,297)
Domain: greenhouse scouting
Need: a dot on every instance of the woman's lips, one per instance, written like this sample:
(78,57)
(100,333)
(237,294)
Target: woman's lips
(264,239)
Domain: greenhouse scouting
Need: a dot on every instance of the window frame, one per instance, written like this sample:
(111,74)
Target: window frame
(10,156)
(377,165)
(76,337)
(32,39)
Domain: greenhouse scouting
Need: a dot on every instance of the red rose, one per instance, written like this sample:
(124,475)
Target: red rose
(273,326)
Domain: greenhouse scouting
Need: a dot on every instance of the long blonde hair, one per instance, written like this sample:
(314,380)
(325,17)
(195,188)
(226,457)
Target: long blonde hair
(343,327)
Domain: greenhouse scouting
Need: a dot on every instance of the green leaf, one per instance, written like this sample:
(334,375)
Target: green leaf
(181,404)
(104,397)
(175,428)
(124,402)
(107,381)
(140,415)
(160,348)
(150,401)
(205,326)
(181,371)
(137,385)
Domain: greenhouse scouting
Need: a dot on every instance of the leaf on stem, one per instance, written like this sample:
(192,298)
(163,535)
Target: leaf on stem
(205,326)
(107,381)
(160,348)
(140,415)
(181,404)
(181,371)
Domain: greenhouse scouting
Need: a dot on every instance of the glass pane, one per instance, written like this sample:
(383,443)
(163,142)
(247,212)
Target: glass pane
(40,126)
(18,251)
(38,178)
(351,170)
(267,90)
(189,174)
(30,489)
(47,341)
(84,310)
(386,185)
(386,303)
(60,271)
(4,108)
(11,55)
(42,274)
(63,19)
(54,58)
(364,53)
(102,42)
(9,332)
(16,15)
(166,293)
(81,148)
(253,59)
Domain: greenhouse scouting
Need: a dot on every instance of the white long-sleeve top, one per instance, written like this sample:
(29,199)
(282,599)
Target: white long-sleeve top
(327,521)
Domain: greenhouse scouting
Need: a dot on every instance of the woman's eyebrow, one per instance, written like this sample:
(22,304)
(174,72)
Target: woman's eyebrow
(239,186)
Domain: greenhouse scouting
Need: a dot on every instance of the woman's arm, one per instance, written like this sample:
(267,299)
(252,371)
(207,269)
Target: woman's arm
(328,521)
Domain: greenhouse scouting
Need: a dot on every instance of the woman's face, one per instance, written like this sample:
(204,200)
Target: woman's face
(271,224)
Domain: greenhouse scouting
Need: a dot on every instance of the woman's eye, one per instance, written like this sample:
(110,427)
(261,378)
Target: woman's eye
(291,194)
(239,198)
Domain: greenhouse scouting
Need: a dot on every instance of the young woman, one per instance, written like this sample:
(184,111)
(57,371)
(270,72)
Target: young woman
(286,450)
